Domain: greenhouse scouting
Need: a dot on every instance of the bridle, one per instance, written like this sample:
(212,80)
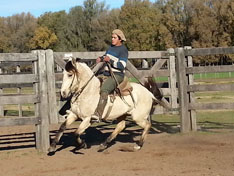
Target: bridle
(76,93)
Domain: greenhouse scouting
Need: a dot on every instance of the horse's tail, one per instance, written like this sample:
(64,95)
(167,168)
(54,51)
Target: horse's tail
(152,86)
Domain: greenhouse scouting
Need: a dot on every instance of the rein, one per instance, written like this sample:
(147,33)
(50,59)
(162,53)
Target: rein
(77,93)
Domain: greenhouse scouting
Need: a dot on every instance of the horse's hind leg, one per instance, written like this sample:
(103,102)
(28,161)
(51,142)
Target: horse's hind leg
(146,125)
(119,127)
(70,119)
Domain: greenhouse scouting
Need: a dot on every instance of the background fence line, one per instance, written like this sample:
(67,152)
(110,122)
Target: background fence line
(45,80)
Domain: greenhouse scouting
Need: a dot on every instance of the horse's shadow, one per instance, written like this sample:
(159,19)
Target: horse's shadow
(98,134)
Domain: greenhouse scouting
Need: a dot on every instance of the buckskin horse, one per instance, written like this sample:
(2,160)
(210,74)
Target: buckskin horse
(80,83)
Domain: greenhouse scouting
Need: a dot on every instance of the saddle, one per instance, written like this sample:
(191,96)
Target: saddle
(124,88)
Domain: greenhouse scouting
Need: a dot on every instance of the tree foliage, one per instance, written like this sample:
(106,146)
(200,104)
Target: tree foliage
(43,39)
(147,26)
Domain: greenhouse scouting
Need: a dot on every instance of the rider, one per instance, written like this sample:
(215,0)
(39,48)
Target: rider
(116,56)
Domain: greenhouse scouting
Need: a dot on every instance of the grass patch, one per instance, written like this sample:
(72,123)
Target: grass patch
(16,113)
(215,97)
(214,75)
(206,120)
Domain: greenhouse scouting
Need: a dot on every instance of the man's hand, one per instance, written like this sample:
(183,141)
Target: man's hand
(106,59)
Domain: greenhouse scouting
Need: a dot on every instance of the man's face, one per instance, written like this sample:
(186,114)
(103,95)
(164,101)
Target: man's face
(115,40)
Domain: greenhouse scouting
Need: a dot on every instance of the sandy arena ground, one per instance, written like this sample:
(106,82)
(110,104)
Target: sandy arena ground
(164,154)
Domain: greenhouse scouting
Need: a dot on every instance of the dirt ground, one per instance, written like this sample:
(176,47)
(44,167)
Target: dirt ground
(164,154)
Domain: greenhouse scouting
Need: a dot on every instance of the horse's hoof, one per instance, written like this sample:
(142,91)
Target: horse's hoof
(51,151)
(137,147)
(102,147)
(83,145)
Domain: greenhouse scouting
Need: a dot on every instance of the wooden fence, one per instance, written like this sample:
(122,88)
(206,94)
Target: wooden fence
(187,88)
(46,77)
(40,96)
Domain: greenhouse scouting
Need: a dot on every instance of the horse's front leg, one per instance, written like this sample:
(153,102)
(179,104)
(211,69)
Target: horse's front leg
(70,119)
(80,130)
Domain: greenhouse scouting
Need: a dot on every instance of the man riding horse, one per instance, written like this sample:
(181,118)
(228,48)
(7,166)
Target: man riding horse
(116,60)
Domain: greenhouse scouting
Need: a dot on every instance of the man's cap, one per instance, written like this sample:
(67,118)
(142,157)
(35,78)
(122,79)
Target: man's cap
(119,33)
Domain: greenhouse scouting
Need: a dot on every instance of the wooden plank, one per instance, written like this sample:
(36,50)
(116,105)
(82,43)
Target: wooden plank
(59,61)
(18,99)
(154,73)
(18,79)
(182,88)
(211,87)
(19,121)
(158,64)
(134,72)
(15,57)
(43,129)
(167,92)
(210,69)
(1,91)
(52,104)
(36,86)
(82,55)
(19,92)
(172,80)
(193,114)
(145,54)
(209,51)
(95,55)
(206,106)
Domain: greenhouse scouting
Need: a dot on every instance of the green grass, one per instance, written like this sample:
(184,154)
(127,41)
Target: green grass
(206,120)
(203,76)
(215,97)
(16,113)
(214,75)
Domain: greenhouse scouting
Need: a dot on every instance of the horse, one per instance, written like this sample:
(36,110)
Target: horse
(80,83)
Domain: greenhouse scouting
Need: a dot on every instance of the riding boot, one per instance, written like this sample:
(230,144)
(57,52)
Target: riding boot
(101,106)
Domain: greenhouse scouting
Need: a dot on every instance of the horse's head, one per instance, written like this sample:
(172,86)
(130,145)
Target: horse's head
(70,78)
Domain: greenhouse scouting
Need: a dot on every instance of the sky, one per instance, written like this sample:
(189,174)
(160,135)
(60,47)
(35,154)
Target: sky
(39,7)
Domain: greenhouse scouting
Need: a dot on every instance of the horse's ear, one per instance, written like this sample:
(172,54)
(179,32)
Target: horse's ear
(78,59)
(73,61)
(71,64)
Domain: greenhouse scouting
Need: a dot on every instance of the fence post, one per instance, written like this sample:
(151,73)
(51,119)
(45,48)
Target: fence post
(1,91)
(182,90)
(191,94)
(52,104)
(42,135)
(172,79)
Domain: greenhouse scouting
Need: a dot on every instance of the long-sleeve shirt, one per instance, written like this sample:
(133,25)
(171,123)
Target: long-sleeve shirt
(118,59)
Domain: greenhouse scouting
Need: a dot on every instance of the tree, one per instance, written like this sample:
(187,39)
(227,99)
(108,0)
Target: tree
(57,23)
(42,39)
(140,21)
(208,27)
(19,30)
(4,40)
(177,19)
(92,12)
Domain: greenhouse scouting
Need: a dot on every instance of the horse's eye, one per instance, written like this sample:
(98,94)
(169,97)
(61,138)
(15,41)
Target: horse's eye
(69,75)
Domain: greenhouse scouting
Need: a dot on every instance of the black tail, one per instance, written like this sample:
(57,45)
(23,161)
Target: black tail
(152,86)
